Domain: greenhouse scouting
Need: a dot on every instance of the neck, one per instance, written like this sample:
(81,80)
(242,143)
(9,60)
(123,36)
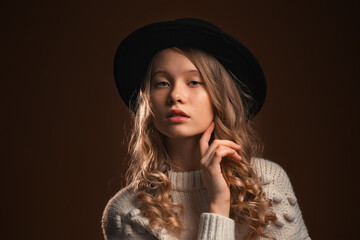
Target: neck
(184,153)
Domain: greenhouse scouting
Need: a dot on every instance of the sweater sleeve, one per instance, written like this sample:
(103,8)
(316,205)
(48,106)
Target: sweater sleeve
(215,227)
(289,224)
(121,220)
(118,227)
(111,226)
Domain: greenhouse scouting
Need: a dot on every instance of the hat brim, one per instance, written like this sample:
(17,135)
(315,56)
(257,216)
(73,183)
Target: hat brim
(136,51)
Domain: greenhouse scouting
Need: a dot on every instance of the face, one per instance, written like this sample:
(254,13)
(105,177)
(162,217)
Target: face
(176,84)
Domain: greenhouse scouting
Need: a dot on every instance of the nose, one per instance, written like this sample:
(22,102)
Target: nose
(176,94)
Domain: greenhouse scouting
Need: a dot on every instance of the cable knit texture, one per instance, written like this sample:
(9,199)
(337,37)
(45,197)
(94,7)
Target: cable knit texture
(122,218)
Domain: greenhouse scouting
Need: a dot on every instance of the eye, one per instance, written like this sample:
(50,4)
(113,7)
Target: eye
(161,84)
(194,83)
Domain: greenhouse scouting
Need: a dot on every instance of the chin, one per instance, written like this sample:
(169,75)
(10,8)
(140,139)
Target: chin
(180,134)
(181,130)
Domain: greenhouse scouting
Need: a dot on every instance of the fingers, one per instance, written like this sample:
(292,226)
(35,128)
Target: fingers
(218,149)
(223,142)
(215,156)
(217,143)
(205,138)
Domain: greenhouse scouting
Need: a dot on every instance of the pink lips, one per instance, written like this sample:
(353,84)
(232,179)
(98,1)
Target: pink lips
(177,116)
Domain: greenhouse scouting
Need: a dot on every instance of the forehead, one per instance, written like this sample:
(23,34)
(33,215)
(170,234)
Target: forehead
(171,60)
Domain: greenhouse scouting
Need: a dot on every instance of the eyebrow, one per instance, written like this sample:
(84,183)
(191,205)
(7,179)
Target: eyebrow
(166,73)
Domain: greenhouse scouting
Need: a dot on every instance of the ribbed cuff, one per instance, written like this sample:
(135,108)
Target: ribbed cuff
(216,227)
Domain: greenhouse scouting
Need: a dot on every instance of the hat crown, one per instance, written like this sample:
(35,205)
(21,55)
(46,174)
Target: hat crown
(196,21)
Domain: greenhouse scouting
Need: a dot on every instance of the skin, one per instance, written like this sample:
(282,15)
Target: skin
(177,84)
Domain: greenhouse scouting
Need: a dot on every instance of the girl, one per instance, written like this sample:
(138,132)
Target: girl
(194,171)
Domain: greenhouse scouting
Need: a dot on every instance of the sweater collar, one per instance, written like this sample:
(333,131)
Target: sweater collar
(186,181)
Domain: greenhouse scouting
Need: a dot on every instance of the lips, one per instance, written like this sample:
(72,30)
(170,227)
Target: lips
(176,113)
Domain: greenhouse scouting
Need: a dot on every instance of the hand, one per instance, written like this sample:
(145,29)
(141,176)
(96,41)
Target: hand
(211,156)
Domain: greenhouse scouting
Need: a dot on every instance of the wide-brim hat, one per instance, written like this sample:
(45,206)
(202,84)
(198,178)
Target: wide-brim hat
(136,51)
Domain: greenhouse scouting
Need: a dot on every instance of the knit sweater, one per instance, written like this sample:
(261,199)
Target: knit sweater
(122,218)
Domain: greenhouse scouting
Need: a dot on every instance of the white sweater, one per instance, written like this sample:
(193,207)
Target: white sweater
(122,218)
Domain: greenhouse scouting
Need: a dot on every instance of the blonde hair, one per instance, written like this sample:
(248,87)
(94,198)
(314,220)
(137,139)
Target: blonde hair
(150,163)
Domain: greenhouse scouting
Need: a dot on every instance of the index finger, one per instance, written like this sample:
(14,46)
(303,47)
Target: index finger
(205,138)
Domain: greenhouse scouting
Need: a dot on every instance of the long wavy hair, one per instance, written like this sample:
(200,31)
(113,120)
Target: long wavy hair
(149,162)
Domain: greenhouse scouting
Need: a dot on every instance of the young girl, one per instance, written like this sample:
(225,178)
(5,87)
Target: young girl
(194,168)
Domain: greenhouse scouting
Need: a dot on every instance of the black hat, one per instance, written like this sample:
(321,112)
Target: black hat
(136,51)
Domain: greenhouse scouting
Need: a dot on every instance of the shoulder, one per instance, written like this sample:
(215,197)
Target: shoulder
(274,180)
(270,172)
(123,201)
(122,218)
(277,187)
(120,206)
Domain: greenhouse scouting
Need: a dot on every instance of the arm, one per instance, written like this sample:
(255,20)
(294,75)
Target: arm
(121,219)
(116,227)
(277,186)
(214,226)
(111,225)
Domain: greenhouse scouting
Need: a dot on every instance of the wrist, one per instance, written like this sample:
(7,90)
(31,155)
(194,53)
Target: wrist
(220,209)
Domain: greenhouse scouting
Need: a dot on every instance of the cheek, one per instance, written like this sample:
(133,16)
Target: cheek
(209,111)
(154,102)
(205,108)
(157,105)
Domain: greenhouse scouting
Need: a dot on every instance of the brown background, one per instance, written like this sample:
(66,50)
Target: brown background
(62,120)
